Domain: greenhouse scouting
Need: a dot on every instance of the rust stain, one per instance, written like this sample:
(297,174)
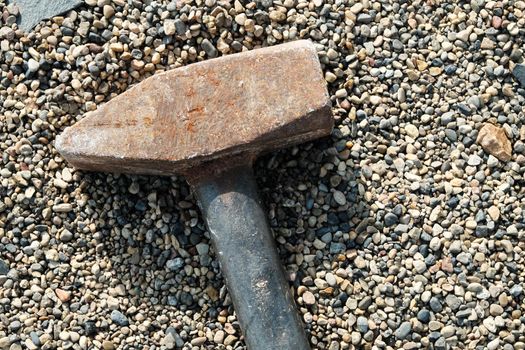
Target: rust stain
(209,75)
(192,116)
(190,92)
(214,81)
(148,121)
(196,110)
(190,126)
(114,123)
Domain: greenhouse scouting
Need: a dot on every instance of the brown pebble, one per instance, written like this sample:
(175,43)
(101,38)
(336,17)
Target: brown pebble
(107,345)
(63,295)
(496,22)
(494,141)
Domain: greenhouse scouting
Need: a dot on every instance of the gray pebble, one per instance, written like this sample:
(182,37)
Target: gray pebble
(119,318)
(403,330)
(208,47)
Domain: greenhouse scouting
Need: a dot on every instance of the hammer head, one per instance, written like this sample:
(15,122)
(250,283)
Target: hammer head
(244,103)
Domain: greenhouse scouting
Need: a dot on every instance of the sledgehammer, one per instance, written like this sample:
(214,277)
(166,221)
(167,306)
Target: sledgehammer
(208,121)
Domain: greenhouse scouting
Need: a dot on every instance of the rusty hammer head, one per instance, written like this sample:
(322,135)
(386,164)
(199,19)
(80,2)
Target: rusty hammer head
(244,103)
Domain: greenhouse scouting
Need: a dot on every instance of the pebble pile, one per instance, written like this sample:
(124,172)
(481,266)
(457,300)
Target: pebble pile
(404,230)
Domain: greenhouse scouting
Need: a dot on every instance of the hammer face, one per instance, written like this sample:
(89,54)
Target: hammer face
(239,104)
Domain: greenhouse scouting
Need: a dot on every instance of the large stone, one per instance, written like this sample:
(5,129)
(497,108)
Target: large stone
(34,11)
(494,140)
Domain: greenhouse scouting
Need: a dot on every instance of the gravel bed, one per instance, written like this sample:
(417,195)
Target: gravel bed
(403,230)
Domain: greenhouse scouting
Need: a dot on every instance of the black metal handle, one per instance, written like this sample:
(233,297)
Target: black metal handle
(249,261)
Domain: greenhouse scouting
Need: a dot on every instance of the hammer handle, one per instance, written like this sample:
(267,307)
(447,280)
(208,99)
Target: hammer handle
(249,261)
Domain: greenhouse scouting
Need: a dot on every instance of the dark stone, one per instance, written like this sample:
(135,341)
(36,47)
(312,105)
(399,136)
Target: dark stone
(186,298)
(107,34)
(451,135)
(391,219)
(140,205)
(332,219)
(93,69)
(337,248)
(464,313)
(435,304)
(32,12)
(90,328)
(123,38)
(365,303)
(364,18)
(209,48)
(172,300)
(516,55)
(425,237)
(136,54)
(95,38)
(322,231)
(433,336)
(163,257)
(175,264)
(343,297)
(67,32)
(195,237)
(482,231)
(4,267)
(397,45)
(463,108)
(453,202)
(180,26)
(519,74)
(436,62)
(423,315)
(430,260)
(467,141)
(450,69)
(212,313)
(398,210)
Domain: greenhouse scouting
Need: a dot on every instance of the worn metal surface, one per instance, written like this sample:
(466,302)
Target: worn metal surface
(249,262)
(243,103)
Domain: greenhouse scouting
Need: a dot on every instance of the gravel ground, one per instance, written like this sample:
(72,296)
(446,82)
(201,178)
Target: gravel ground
(404,229)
